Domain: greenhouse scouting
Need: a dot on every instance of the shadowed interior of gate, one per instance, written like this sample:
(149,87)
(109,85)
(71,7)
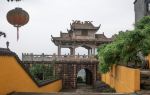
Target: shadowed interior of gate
(84,77)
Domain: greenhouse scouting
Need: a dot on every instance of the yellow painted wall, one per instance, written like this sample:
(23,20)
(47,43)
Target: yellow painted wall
(123,79)
(14,78)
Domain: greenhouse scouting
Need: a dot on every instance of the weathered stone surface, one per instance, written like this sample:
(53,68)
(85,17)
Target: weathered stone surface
(141,8)
(81,90)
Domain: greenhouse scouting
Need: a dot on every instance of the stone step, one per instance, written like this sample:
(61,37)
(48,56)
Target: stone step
(144,92)
(146,82)
(65,93)
(145,72)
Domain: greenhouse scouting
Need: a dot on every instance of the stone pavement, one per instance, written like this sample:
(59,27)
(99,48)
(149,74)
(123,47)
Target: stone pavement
(81,90)
(66,93)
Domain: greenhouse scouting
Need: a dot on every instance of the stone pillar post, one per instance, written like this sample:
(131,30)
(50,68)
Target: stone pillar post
(94,75)
(72,51)
(94,51)
(91,51)
(59,50)
(88,52)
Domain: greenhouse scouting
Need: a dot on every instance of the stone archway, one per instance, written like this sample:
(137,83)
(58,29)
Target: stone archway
(86,75)
(68,72)
(89,77)
(90,70)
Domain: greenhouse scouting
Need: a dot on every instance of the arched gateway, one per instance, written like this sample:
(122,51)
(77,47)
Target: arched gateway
(68,71)
(81,34)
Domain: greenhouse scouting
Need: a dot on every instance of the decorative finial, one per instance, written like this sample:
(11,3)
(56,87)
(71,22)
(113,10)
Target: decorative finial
(13,0)
(7,44)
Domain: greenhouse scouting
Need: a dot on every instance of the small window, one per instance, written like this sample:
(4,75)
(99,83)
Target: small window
(84,33)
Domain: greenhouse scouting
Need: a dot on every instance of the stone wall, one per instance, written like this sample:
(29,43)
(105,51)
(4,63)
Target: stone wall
(141,9)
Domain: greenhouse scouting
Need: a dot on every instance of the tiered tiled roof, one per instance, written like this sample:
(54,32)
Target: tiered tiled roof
(80,27)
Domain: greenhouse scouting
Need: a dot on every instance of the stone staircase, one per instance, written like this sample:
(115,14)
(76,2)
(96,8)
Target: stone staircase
(143,92)
(145,79)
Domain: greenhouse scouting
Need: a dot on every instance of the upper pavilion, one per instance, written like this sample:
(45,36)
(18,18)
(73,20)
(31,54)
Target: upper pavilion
(81,34)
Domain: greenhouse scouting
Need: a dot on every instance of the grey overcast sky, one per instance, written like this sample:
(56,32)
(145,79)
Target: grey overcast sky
(49,17)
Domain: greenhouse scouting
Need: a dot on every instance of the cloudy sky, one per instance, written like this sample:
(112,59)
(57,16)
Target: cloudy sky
(49,17)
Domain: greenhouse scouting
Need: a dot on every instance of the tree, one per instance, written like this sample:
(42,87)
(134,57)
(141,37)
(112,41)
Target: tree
(126,47)
(42,71)
(79,79)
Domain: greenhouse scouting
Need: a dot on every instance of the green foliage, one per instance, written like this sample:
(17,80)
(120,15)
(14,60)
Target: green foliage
(143,23)
(79,79)
(126,46)
(103,88)
(42,72)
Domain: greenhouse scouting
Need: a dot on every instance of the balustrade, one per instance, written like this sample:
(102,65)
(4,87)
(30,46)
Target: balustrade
(44,57)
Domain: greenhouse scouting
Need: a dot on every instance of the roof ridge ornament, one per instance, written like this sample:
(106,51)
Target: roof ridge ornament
(13,0)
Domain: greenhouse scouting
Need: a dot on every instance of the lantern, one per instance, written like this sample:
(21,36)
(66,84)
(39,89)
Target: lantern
(17,17)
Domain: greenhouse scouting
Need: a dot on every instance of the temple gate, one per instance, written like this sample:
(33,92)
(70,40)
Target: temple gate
(80,34)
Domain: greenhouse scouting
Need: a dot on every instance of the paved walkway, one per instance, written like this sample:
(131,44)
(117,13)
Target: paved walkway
(81,90)
(68,93)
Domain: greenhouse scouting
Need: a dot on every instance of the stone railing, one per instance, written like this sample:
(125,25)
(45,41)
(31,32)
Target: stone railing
(44,57)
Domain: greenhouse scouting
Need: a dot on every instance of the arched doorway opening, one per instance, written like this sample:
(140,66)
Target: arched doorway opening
(84,77)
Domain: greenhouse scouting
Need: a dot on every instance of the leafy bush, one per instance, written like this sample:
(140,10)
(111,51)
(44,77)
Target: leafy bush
(104,88)
(42,72)
(126,46)
(79,79)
